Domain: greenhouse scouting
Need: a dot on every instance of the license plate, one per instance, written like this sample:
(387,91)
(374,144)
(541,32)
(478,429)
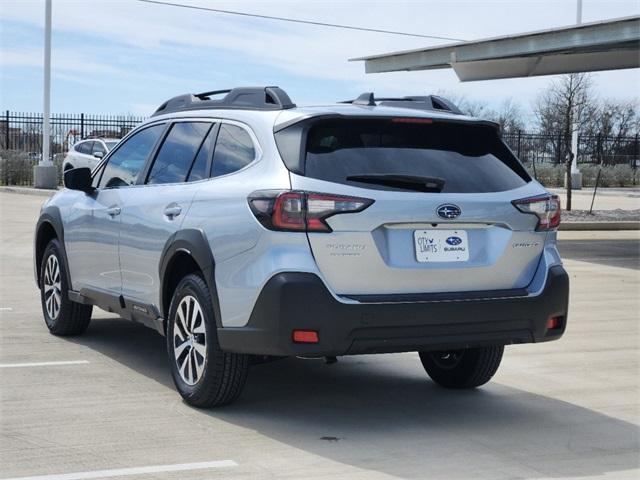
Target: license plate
(441,245)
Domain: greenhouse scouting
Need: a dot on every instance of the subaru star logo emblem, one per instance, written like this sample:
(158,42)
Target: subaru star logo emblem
(448,211)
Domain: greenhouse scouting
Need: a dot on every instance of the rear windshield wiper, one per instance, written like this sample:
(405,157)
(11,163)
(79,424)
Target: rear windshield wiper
(407,182)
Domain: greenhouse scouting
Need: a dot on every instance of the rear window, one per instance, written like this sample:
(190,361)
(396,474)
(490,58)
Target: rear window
(468,158)
(84,147)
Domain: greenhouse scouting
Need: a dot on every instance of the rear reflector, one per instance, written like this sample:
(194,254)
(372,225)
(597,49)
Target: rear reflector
(553,323)
(305,336)
(546,208)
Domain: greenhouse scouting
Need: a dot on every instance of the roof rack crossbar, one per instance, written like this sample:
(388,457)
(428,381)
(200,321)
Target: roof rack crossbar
(417,102)
(247,98)
(206,95)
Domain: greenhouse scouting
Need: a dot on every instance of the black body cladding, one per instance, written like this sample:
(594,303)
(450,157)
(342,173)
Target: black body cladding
(439,322)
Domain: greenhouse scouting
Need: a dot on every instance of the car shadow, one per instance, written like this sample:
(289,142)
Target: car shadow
(612,253)
(381,414)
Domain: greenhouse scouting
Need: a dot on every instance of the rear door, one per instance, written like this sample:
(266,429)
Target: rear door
(83,155)
(155,209)
(442,218)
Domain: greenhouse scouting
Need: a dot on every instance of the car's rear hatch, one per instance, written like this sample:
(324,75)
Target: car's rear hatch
(442,218)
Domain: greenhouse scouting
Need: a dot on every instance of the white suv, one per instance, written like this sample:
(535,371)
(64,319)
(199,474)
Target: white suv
(88,153)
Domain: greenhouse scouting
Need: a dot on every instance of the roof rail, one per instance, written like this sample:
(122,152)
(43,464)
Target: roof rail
(242,98)
(426,102)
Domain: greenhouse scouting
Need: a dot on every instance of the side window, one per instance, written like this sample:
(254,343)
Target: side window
(173,162)
(128,160)
(234,150)
(84,147)
(99,147)
(199,168)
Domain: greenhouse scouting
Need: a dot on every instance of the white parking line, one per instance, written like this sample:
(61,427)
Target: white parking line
(42,364)
(122,472)
(6,309)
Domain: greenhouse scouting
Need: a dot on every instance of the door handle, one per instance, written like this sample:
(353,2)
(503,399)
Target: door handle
(172,211)
(113,211)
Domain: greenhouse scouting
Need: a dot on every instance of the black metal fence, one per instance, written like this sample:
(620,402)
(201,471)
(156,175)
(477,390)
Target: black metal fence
(21,143)
(21,139)
(535,148)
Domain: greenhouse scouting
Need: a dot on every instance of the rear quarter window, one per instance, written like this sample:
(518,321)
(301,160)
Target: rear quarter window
(469,158)
(234,150)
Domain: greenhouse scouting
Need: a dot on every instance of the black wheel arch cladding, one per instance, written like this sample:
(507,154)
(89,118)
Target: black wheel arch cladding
(50,219)
(194,243)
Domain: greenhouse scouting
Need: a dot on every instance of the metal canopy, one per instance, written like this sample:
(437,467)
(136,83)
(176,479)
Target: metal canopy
(604,45)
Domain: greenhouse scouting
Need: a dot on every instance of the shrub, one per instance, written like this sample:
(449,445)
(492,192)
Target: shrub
(548,175)
(16,168)
(610,175)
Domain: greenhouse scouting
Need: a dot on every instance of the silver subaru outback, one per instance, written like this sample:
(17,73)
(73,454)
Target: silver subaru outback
(244,228)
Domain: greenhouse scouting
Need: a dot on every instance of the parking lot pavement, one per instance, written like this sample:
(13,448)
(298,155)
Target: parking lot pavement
(562,409)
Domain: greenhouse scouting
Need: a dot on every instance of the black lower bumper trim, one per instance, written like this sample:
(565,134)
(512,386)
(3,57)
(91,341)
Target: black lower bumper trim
(291,301)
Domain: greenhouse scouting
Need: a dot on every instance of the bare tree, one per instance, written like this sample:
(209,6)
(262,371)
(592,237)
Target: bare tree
(566,104)
(510,116)
(473,108)
(616,119)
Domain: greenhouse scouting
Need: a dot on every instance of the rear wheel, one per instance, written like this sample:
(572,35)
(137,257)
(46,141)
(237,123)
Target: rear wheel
(204,375)
(62,316)
(467,368)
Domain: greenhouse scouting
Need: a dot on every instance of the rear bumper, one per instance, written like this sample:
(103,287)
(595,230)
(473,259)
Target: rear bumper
(291,301)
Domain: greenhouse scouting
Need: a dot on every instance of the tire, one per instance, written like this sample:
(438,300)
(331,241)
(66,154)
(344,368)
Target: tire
(468,368)
(67,166)
(61,315)
(215,378)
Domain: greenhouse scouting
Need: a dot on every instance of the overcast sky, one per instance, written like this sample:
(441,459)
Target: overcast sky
(123,56)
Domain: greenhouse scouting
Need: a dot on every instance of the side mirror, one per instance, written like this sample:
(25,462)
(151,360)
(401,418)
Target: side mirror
(78,179)
(98,154)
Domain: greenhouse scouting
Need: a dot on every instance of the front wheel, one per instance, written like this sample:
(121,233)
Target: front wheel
(204,375)
(62,316)
(466,368)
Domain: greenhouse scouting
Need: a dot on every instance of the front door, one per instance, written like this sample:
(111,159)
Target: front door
(92,232)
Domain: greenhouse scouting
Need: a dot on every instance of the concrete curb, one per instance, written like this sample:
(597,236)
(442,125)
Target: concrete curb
(41,192)
(586,226)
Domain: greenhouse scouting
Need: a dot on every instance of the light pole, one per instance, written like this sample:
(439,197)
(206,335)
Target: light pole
(44,174)
(576,176)
(579,13)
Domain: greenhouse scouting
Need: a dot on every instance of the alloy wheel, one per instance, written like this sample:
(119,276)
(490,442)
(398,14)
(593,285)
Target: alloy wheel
(52,287)
(190,340)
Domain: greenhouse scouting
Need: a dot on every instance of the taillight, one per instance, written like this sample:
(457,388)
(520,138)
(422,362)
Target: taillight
(546,208)
(299,211)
